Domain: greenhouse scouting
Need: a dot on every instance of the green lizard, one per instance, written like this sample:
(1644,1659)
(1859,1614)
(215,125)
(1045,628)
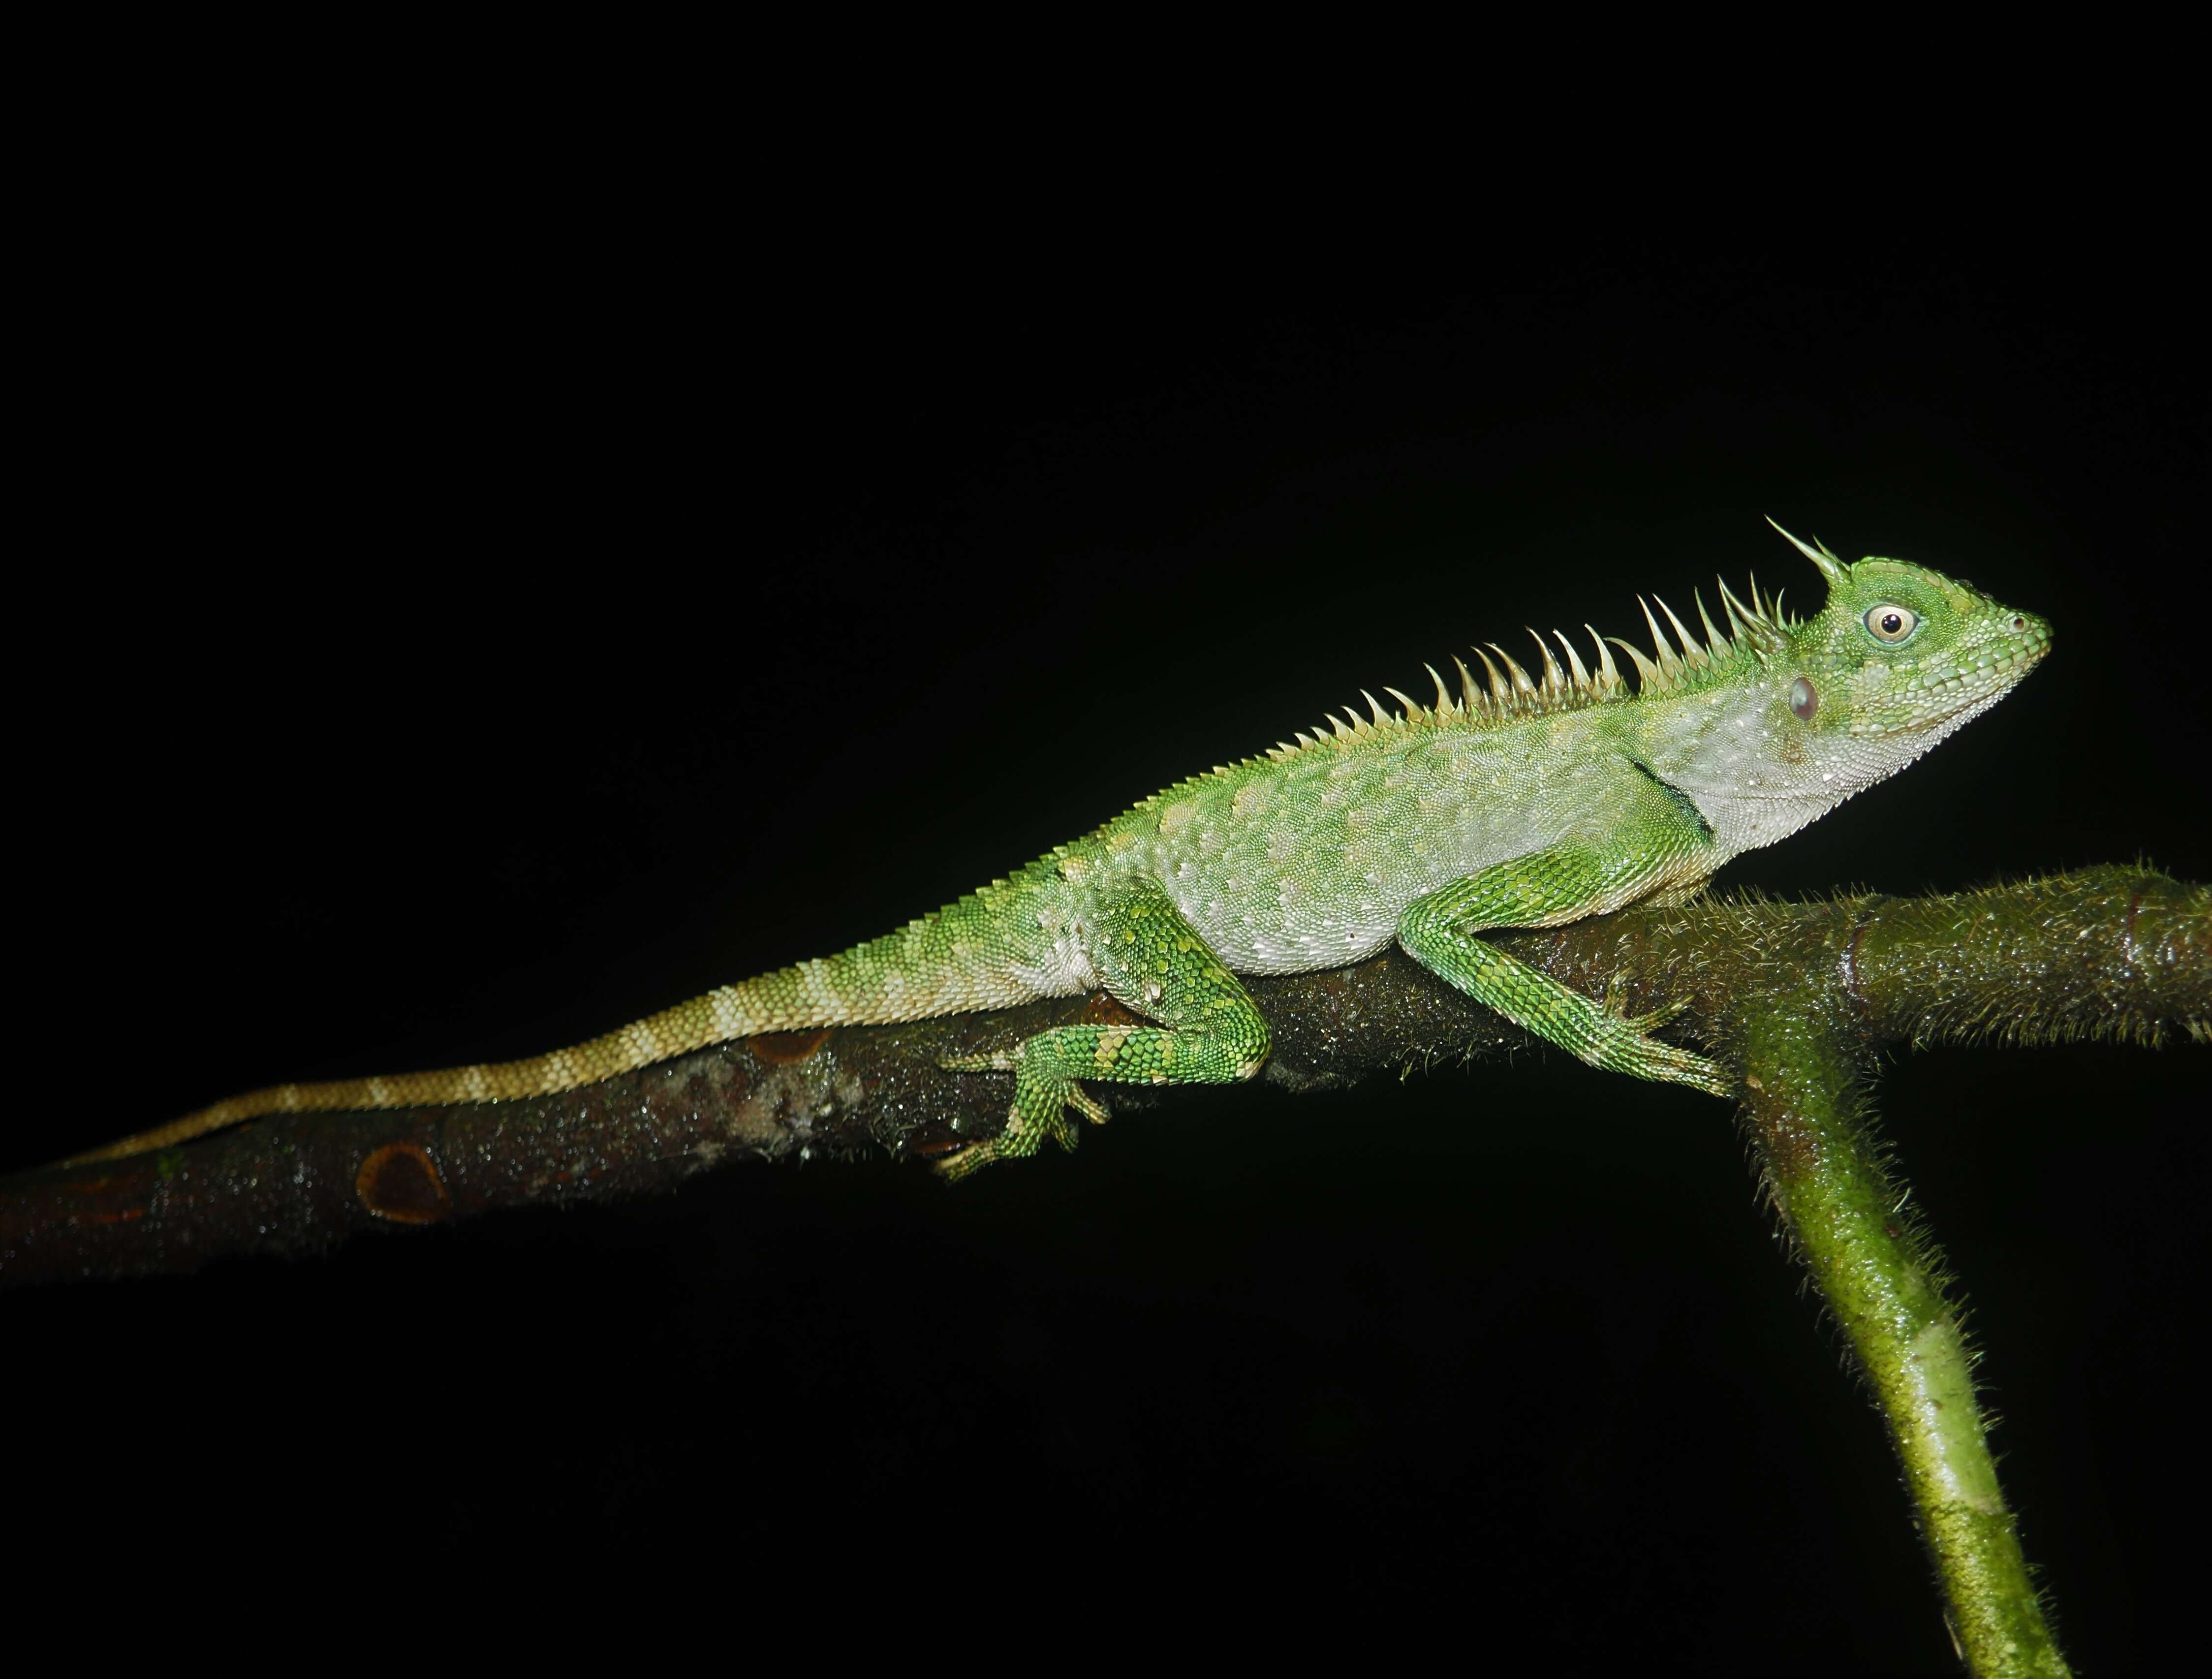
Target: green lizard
(1524,801)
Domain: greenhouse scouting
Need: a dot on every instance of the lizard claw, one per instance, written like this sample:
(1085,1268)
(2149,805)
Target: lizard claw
(1682,1067)
(1087,1105)
(1665,1015)
(963,1162)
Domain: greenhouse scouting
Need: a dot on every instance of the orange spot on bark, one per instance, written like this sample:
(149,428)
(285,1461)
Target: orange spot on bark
(399,1182)
(1101,1010)
(115,1198)
(787,1047)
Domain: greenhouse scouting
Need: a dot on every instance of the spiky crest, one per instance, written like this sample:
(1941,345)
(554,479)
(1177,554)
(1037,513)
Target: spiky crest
(1755,632)
(1470,696)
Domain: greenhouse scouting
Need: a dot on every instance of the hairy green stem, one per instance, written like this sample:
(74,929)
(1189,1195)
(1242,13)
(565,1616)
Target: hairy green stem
(1881,1275)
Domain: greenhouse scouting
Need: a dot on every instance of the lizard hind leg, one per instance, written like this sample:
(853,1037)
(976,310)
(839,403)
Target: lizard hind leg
(1152,960)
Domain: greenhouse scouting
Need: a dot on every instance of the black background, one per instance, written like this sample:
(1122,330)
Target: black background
(508,610)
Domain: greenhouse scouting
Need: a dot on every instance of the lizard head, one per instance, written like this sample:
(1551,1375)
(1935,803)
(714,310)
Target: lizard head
(1897,658)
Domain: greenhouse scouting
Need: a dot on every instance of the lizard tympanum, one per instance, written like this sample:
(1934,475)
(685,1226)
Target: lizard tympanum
(1524,801)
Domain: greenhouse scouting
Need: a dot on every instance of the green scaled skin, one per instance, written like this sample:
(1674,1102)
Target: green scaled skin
(1525,801)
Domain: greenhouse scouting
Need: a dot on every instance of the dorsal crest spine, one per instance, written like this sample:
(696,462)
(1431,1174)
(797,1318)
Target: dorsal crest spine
(1753,634)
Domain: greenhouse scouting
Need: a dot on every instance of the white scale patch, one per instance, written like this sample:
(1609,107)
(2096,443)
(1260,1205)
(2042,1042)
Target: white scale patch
(729,1016)
(1066,970)
(815,980)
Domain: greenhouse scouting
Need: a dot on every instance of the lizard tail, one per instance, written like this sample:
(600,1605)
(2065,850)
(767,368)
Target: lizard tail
(720,1014)
(944,963)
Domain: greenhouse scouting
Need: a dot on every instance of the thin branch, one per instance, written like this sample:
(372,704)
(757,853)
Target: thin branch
(1882,1278)
(2122,953)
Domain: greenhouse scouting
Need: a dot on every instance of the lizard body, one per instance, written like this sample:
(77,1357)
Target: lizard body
(1524,801)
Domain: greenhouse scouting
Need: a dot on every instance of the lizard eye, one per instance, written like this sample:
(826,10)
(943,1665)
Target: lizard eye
(1890,623)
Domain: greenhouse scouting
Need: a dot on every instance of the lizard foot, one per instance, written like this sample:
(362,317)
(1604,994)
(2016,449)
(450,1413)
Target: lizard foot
(1631,1049)
(1042,1099)
(1624,1044)
(1670,1065)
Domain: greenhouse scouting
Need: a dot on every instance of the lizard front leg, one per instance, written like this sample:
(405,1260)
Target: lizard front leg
(1543,889)
(1152,960)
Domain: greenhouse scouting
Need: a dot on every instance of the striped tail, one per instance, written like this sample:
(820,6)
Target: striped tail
(959,958)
